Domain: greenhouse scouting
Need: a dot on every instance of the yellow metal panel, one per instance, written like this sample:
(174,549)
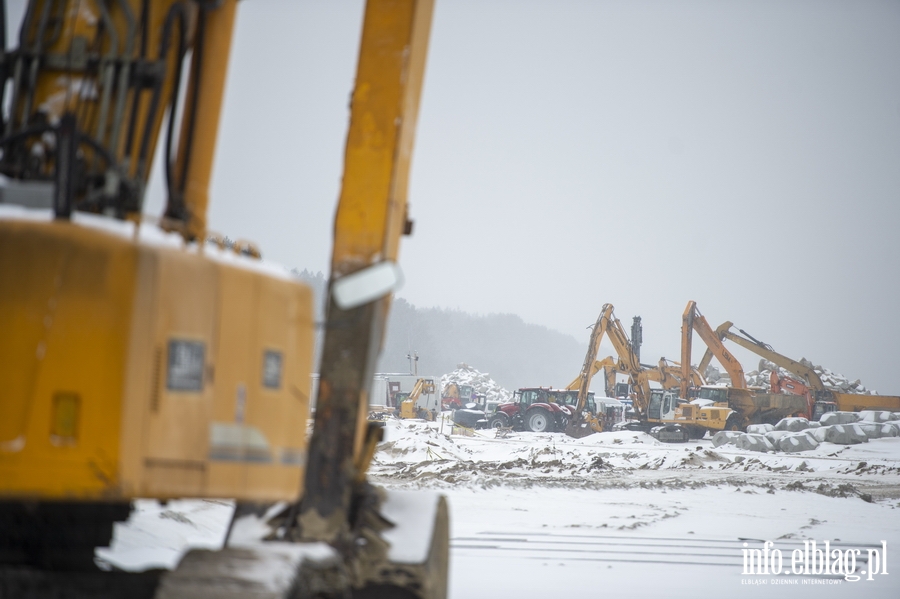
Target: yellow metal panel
(142,385)
(64,311)
(187,293)
(86,409)
(262,429)
(236,342)
(379,144)
(233,355)
(853,402)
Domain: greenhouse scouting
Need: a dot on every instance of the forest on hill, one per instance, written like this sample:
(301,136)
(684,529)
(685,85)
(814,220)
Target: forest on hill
(514,353)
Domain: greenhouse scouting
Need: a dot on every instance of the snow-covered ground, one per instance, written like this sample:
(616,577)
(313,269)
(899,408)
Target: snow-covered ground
(537,515)
(542,515)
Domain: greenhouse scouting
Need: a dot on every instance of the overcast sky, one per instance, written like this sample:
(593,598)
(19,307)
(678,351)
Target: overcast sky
(745,155)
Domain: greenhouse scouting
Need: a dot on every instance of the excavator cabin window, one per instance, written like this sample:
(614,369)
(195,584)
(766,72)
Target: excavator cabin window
(717,395)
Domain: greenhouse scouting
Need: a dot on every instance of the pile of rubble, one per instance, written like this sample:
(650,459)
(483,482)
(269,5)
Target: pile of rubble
(714,376)
(481,381)
(793,435)
(761,377)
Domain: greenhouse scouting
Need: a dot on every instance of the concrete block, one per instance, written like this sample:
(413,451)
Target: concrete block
(838,418)
(774,436)
(818,434)
(792,424)
(845,434)
(890,429)
(754,442)
(725,438)
(874,416)
(796,442)
(871,429)
(760,429)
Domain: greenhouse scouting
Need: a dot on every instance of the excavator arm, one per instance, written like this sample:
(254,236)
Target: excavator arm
(421,386)
(370,218)
(608,324)
(628,362)
(671,379)
(608,364)
(579,425)
(820,392)
(708,354)
(804,372)
(693,320)
(665,375)
(408,405)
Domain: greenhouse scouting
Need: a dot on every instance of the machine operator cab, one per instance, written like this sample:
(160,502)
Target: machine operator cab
(716,394)
(662,405)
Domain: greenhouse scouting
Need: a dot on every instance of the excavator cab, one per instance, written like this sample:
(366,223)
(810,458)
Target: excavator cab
(408,407)
(662,405)
(716,394)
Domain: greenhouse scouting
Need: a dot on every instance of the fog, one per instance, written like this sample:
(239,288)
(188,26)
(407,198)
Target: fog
(745,155)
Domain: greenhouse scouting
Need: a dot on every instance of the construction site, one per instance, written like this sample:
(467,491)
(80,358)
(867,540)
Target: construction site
(178,420)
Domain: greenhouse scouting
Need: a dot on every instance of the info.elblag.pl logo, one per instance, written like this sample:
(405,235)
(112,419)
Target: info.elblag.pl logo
(816,560)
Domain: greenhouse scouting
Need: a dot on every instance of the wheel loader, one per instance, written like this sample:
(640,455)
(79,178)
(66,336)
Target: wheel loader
(140,359)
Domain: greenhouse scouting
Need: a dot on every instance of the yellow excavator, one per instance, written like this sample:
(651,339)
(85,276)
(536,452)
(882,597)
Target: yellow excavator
(408,407)
(750,407)
(582,421)
(139,361)
(627,362)
(639,375)
(659,411)
(609,367)
(653,406)
(822,398)
(668,374)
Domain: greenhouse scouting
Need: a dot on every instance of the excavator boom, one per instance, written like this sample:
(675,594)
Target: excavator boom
(804,372)
(578,424)
(824,398)
(607,364)
(692,320)
(627,363)
(370,219)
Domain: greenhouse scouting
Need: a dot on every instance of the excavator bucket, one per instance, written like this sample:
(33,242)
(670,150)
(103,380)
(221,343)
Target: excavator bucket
(407,558)
(578,428)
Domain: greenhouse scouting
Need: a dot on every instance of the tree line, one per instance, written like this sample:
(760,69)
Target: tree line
(515,353)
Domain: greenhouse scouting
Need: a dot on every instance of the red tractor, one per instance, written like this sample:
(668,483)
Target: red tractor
(538,410)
